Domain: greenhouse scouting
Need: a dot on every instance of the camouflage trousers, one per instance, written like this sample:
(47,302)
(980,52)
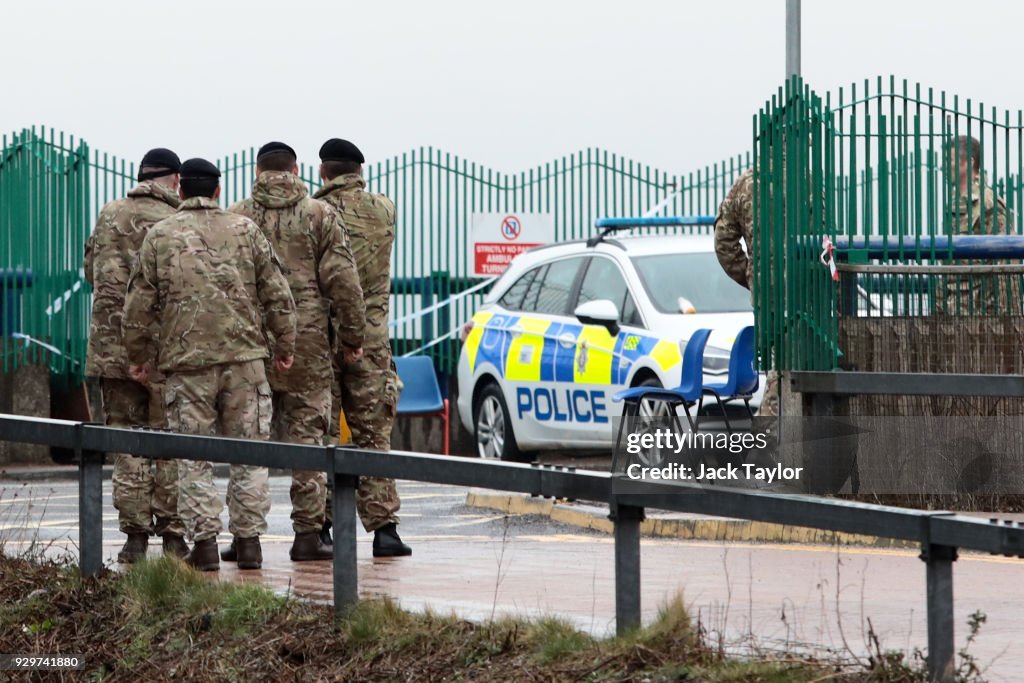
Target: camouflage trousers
(766,422)
(143,489)
(367,391)
(303,417)
(232,399)
(770,400)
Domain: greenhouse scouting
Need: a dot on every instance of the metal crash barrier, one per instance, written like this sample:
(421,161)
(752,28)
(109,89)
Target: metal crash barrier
(940,534)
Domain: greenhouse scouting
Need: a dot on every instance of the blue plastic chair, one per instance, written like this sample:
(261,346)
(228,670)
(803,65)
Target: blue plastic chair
(687,394)
(421,395)
(742,381)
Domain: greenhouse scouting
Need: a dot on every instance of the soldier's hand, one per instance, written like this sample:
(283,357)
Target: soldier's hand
(352,355)
(281,364)
(139,373)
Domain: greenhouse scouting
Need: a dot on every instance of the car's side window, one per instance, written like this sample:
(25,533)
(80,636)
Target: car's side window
(630,313)
(556,288)
(513,298)
(603,280)
(533,291)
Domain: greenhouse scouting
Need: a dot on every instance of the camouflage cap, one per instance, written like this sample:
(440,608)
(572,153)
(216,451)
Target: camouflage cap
(337,149)
(199,168)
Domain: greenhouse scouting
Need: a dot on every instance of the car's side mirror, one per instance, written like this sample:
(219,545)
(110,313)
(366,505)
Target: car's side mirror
(599,312)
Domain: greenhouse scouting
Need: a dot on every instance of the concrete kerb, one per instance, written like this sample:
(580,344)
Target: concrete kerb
(672,524)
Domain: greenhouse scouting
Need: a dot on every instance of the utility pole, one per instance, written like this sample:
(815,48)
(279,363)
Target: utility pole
(792,38)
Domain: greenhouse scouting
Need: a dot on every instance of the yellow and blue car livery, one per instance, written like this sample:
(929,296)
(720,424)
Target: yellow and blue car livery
(563,371)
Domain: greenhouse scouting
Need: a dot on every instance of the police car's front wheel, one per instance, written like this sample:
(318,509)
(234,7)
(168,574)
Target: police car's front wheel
(493,428)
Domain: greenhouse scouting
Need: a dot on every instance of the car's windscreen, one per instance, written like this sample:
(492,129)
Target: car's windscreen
(696,276)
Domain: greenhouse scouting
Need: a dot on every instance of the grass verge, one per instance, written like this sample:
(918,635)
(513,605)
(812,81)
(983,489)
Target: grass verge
(162,621)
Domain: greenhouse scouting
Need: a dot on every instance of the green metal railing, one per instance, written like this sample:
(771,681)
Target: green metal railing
(44,201)
(436,194)
(878,164)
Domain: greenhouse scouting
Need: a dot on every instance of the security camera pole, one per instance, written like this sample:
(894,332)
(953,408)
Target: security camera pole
(792,38)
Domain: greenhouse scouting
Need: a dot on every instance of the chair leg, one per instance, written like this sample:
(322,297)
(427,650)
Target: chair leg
(750,412)
(721,406)
(629,408)
(686,409)
(447,428)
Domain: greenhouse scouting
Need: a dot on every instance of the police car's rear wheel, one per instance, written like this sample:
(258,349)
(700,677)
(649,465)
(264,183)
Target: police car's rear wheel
(494,437)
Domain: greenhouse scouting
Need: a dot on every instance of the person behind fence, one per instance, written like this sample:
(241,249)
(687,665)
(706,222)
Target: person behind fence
(145,492)
(310,239)
(734,247)
(976,210)
(210,282)
(368,386)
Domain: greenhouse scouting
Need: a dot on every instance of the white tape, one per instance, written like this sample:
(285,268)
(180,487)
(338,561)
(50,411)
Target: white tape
(441,304)
(33,340)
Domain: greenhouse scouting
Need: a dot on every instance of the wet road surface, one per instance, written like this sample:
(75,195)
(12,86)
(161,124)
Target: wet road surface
(481,563)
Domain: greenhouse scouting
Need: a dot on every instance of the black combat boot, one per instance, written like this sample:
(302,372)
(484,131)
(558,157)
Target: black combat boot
(175,545)
(231,554)
(325,534)
(250,552)
(204,556)
(308,548)
(134,548)
(387,543)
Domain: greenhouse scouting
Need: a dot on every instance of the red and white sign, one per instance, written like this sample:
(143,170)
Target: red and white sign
(497,238)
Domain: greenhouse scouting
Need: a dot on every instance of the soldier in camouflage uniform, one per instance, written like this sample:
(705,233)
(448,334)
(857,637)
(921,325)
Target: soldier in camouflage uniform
(734,230)
(975,211)
(139,494)
(368,390)
(210,282)
(309,237)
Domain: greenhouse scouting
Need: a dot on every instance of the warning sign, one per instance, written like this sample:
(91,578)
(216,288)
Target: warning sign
(498,238)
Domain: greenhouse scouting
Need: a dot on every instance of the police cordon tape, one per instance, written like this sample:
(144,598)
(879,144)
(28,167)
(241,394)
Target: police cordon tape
(441,304)
(650,214)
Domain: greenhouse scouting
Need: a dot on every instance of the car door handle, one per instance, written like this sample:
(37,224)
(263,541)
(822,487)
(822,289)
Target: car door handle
(515,330)
(567,340)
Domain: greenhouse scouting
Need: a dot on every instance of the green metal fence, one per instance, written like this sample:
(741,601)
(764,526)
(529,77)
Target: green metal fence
(436,194)
(876,169)
(44,203)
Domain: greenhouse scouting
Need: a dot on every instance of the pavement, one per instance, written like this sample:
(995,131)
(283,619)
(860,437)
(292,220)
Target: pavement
(483,563)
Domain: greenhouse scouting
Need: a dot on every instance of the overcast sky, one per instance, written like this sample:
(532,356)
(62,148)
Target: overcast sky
(509,84)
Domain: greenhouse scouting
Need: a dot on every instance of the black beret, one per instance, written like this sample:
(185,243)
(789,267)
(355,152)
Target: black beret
(199,168)
(337,149)
(272,148)
(162,158)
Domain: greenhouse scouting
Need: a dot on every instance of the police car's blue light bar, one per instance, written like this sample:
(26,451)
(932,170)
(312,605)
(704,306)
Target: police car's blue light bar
(963,246)
(610,225)
(652,221)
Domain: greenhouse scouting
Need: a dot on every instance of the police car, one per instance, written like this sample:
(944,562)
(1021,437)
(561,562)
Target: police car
(568,325)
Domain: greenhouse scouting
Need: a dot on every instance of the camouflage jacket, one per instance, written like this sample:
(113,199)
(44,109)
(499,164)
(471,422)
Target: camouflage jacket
(980,212)
(211,283)
(109,254)
(310,239)
(734,228)
(370,220)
